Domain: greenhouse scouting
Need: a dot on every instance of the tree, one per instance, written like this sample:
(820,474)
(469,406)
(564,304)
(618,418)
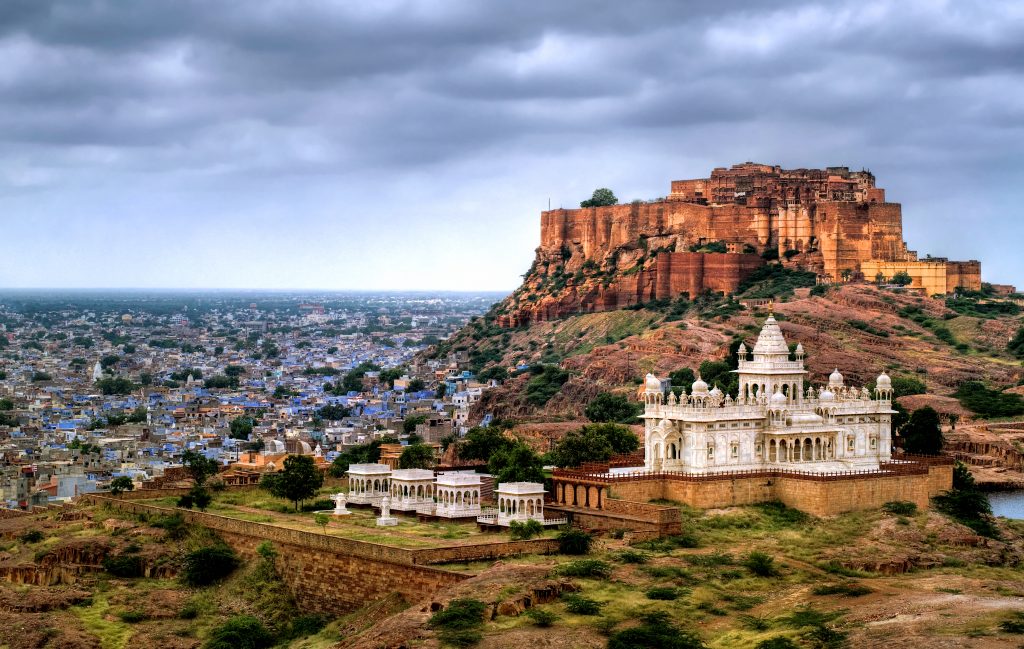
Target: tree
(594,443)
(922,433)
(902,278)
(1016,346)
(198,466)
(682,378)
(333,412)
(138,415)
(121,484)
(600,198)
(411,422)
(416,385)
(241,427)
(362,454)
(299,480)
(846,274)
(109,361)
(322,520)
(6,404)
(517,463)
(115,385)
(880,278)
(482,443)
(608,407)
(416,456)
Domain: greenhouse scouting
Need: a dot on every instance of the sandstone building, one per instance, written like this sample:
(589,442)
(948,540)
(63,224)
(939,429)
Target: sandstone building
(711,233)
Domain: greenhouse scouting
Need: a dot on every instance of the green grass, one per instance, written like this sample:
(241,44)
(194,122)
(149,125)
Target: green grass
(112,634)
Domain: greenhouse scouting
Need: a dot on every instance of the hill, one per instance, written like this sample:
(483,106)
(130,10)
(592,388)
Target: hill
(860,328)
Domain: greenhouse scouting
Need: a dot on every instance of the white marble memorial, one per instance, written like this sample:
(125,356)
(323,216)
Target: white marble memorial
(458,494)
(368,483)
(412,490)
(339,504)
(386,519)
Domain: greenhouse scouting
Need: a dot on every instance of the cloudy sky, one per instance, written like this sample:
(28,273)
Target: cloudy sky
(412,145)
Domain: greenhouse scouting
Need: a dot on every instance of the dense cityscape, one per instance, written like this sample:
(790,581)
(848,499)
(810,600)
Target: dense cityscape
(100,385)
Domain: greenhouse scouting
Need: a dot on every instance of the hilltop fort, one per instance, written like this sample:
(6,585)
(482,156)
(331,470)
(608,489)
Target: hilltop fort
(712,233)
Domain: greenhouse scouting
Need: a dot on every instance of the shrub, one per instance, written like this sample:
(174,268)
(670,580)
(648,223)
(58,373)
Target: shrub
(545,381)
(975,396)
(846,590)
(459,623)
(632,556)
(124,565)
(189,611)
(526,530)
(541,617)
(31,536)
(306,625)
(241,632)
(712,560)
(573,541)
(585,568)
(318,505)
(900,508)
(761,564)
(1014,625)
(662,593)
(133,617)
(654,632)
(668,543)
(778,642)
(208,565)
(580,605)
(969,507)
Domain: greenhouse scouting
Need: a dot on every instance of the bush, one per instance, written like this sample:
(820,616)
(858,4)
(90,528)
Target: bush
(459,623)
(594,568)
(31,536)
(306,625)
(988,403)
(133,617)
(526,530)
(545,381)
(654,632)
(632,556)
(662,593)
(613,408)
(241,632)
(1014,625)
(778,642)
(541,617)
(127,566)
(846,590)
(712,560)
(208,565)
(668,543)
(173,526)
(761,564)
(900,508)
(574,541)
(580,605)
(189,611)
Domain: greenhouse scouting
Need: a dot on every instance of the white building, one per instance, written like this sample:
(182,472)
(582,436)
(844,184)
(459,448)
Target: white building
(773,423)
(368,483)
(519,501)
(458,494)
(412,490)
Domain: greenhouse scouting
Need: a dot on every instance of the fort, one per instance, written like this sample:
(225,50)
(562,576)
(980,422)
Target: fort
(712,233)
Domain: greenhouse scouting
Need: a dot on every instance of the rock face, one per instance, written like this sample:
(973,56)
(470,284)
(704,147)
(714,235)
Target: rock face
(709,234)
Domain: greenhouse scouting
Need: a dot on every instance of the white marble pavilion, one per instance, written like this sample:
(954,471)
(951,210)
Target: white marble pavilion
(458,494)
(368,483)
(412,490)
(773,423)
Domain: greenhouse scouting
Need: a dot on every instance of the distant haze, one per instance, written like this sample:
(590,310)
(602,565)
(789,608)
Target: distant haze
(412,145)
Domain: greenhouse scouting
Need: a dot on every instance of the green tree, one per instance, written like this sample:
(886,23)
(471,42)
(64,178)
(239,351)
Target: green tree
(617,408)
(682,378)
(109,361)
(198,465)
(902,278)
(594,443)
(416,456)
(1016,345)
(138,415)
(411,422)
(362,454)
(601,197)
(298,481)
(322,520)
(517,463)
(482,443)
(6,404)
(115,385)
(241,427)
(922,433)
(121,484)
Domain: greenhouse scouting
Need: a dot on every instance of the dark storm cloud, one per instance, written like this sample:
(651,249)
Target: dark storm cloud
(245,98)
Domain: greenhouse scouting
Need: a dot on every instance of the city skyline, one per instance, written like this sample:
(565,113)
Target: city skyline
(314,146)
